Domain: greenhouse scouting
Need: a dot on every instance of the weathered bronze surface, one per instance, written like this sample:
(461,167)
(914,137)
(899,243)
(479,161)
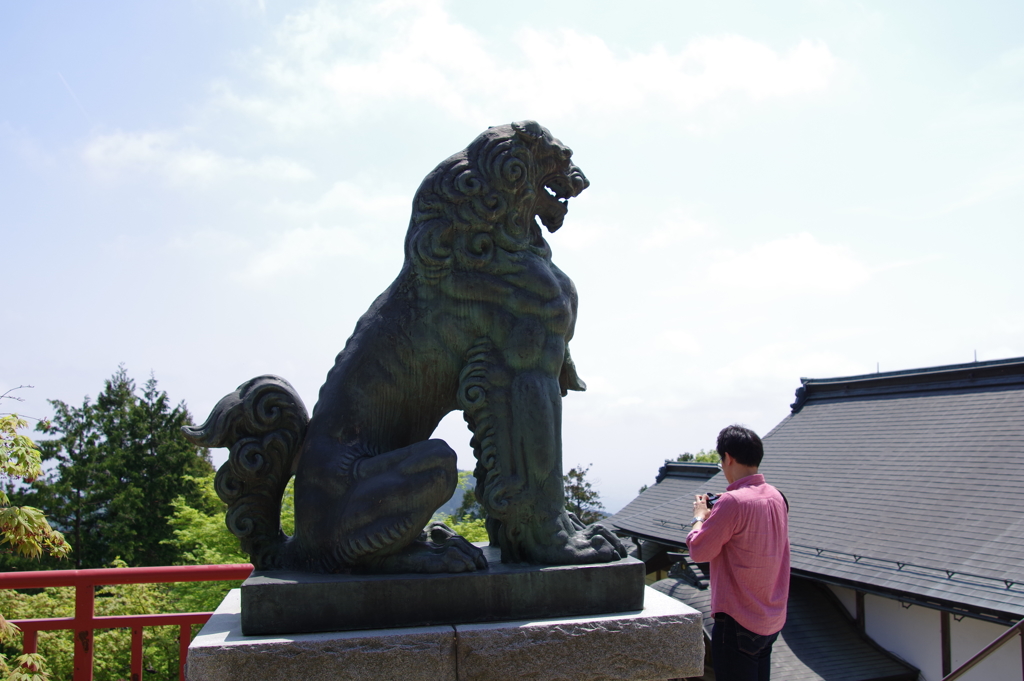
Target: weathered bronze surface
(478,319)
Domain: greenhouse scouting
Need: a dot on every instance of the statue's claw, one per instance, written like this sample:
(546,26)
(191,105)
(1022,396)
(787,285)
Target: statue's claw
(574,543)
(602,535)
(439,549)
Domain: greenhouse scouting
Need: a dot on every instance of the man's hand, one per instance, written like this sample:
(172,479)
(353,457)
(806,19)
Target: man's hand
(700,507)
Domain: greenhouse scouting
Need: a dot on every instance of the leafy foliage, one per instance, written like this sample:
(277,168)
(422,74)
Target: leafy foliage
(580,496)
(117,465)
(24,531)
(470,528)
(469,506)
(710,456)
(201,537)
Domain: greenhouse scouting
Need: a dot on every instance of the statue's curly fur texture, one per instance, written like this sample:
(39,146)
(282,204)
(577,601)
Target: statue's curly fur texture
(478,319)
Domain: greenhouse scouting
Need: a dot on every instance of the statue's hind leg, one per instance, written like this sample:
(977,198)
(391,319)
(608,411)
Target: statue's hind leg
(376,522)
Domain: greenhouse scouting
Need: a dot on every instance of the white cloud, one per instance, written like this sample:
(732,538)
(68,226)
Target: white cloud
(788,361)
(342,201)
(263,260)
(365,55)
(676,228)
(349,223)
(304,249)
(677,82)
(792,264)
(181,163)
(988,188)
(677,341)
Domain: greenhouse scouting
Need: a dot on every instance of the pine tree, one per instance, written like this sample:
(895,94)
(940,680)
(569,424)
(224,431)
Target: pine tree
(114,470)
(580,496)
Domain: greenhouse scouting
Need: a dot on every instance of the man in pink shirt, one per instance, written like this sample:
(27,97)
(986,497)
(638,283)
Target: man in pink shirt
(745,537)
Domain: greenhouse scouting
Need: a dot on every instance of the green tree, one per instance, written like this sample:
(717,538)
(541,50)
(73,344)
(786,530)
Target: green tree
(201,537)
(469,528)
(117,466)
(469,506)
(24,531)
(580,496)
(710,456)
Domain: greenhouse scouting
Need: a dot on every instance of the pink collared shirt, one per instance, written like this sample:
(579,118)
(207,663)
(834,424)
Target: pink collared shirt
(746,540)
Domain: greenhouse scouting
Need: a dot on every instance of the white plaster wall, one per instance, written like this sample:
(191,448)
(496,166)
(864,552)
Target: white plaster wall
(915,634)
(848,597)
(969,636)
(912,633)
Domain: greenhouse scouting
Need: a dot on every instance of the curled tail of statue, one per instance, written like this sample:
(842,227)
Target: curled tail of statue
(262,424)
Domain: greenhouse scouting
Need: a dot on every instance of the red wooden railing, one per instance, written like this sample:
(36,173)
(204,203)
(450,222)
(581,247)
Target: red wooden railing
(85,621)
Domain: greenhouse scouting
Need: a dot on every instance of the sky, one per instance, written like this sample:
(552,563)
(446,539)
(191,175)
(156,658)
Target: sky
(210,191)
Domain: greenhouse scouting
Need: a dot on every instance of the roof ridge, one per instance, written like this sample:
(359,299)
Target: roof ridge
(973,375)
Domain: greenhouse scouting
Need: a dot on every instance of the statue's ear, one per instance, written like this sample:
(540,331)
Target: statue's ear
(528,131)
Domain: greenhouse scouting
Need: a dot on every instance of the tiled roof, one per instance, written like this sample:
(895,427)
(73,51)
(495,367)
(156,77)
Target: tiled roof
(818,642)
(906,483)
(910,482)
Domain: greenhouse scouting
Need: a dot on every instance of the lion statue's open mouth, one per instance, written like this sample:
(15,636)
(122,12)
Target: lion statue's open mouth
(553,201)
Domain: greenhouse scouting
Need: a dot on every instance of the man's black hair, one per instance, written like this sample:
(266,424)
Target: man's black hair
(742,444)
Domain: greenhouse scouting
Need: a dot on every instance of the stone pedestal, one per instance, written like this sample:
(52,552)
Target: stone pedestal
(662,641)
(301,602)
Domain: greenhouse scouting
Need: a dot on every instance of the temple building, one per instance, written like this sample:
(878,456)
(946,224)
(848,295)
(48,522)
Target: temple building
(906,494)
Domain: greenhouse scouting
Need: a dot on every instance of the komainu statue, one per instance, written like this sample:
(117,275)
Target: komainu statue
(478,319)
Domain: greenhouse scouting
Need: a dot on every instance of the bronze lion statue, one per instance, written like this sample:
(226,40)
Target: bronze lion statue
(478,319)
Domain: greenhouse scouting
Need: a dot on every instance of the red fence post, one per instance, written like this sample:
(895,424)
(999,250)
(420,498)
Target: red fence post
(84,613)
(136,654)
(30,641)
(184,638)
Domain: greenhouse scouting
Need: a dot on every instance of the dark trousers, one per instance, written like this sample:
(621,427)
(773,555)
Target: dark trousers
(739,654)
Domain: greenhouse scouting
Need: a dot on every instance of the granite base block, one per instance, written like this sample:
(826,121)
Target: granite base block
(297,602)
(221,653)
(662,641)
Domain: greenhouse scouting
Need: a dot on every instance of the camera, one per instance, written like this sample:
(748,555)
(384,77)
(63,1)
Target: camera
(712,498)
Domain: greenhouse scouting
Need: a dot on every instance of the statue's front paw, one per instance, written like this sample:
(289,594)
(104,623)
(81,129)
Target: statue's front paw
(438,550)
(604,540)
(463,554)
(572,543)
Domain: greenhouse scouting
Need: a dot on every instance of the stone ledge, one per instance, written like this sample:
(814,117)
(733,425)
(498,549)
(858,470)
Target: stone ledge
(662,641)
